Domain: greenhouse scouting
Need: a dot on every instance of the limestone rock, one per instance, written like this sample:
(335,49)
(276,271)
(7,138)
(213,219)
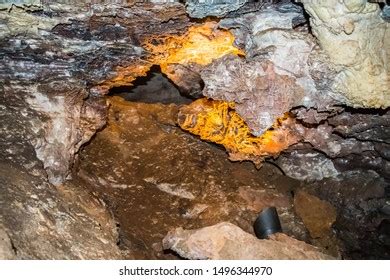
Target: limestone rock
(227,241)
(362,57)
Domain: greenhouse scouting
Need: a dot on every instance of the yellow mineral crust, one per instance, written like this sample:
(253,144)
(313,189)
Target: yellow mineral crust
(218,122)
(200,44)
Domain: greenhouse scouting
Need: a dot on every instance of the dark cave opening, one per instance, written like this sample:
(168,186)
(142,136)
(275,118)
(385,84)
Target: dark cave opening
(155,87)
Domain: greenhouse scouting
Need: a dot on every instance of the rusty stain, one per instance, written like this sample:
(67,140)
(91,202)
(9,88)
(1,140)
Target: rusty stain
(218,122)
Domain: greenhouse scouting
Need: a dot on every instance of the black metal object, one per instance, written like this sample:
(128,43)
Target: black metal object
(267,223)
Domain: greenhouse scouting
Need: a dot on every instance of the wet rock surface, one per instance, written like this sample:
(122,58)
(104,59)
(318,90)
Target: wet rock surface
(225,241)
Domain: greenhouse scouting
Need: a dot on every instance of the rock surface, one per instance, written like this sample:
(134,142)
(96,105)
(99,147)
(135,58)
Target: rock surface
(317,215)
(362,57)
(7,252)
(205,8)
(268,83)
(59,59)
(360,198)
(155,177)
(44,222)
(307,165)
(225,241)
(54,56)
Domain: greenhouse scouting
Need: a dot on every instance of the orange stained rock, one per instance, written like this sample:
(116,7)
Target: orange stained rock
(218,122)
(126,75)
(200,44)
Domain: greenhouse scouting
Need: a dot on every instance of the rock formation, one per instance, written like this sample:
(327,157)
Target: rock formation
(328,71)
(226,241)
(357,40)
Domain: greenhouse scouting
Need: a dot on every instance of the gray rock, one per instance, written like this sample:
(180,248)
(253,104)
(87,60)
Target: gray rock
(269,84)
(307,165)
(219,8)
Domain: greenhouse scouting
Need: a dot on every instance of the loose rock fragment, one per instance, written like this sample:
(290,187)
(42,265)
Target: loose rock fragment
(227,241)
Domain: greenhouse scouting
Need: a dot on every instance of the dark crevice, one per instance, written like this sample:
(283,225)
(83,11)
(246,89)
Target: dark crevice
(367,111)
(155,87)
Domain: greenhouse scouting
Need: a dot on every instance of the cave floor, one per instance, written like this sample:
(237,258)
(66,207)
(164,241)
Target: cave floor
(154,177)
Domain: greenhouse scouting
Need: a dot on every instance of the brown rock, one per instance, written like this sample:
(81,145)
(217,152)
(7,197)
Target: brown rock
(6,250)
(318,215)
(227,241)
(259,199)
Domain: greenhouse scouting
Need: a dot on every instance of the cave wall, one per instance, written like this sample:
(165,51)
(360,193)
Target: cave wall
(53,56)
(60,59)
(77,52)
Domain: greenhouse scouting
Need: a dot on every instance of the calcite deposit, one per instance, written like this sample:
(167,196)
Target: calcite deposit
(357,41)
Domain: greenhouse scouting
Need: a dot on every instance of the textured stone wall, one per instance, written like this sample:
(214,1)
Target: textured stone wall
(356,39)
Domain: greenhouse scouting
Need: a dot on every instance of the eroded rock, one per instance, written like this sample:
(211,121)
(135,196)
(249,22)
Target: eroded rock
(54,56)
(362,57)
